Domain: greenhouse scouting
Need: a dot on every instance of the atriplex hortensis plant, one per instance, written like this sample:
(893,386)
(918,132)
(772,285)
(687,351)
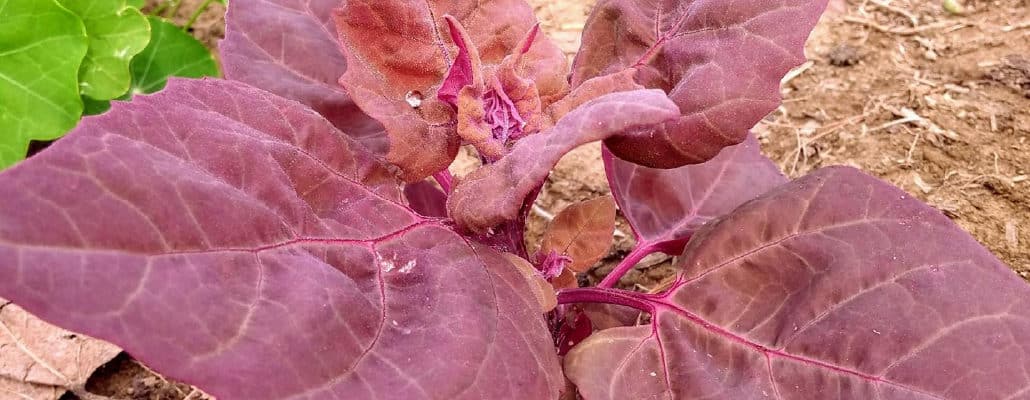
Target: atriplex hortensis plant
(282,243)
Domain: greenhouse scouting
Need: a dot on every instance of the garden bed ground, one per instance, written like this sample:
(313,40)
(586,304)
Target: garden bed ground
(936,103)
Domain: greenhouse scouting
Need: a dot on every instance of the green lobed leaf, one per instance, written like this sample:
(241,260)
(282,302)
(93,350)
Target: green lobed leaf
(116,34)
(171,52)
(42,45)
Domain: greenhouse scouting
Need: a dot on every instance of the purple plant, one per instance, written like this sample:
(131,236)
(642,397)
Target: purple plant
(285,242)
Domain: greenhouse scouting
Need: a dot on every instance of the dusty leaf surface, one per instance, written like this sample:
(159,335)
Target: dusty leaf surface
(926,312)
(280,240)
(290,48)
(720,61)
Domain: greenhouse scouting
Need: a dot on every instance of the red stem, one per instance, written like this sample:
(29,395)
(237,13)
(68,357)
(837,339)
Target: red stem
(642,250)
(606,296)
(445,179)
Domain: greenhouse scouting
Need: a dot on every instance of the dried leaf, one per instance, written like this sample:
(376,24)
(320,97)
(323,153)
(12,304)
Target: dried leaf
(582,231)
(542,290)
(40,361)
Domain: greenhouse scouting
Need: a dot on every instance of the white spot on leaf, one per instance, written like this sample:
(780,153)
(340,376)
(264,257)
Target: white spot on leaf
(389,265)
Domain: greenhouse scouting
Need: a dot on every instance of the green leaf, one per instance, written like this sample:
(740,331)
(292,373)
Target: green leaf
(171,52)
(116,34)
(135,3)
(94,107)
(42,46)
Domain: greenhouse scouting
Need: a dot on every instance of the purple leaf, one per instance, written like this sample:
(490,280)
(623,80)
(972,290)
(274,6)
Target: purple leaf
(835,286)
(426,199)
(495,193)
(399,53)
(465,69)
(289,47)
(666,206)
(239,242)
(720,61)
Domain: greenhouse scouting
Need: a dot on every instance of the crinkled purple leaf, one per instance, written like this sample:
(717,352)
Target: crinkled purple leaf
(495,193)
(290,48)
(465,70)
(720,61)
(238,241)
(399,53)
(666,206)
(835,286)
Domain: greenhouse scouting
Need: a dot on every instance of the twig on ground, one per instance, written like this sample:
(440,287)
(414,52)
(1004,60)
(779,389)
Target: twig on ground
(896,10)
(542,213)
(903,31)
(1021,25)
(796,72)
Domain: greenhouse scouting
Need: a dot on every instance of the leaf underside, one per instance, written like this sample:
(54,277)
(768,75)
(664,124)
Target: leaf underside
(242,231)
(851,289)
(666,206)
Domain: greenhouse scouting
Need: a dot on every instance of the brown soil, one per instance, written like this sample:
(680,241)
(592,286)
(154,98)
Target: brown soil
(936,103)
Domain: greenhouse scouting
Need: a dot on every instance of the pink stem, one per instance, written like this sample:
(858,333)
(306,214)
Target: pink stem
(445,179)
(605,296)
(642,250)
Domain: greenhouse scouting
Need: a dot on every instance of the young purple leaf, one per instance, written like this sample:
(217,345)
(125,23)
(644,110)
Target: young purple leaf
(835,286)
(495,193)
(290,48)
(466,70)
(396,48)
(665,207)
(720,61)
(239,242)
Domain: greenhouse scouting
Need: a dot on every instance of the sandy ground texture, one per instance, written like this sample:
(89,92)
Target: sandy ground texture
(934,102)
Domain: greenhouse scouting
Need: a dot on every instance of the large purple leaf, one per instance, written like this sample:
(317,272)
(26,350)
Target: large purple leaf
(836,286)
(666,206)
(495,193)
(720,61)
(290,48)
(238,241)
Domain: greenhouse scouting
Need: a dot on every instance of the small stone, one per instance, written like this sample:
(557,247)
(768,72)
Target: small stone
(844,55)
